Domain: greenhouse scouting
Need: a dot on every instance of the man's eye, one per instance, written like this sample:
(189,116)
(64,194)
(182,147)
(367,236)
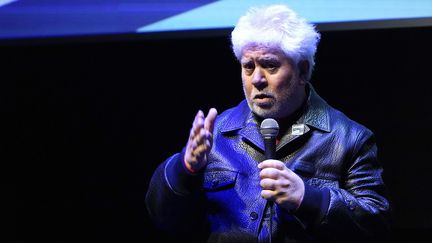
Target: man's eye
(271,67)
(248,66)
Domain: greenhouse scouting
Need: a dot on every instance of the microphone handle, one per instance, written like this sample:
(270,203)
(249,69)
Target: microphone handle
(270,148)
(270,153)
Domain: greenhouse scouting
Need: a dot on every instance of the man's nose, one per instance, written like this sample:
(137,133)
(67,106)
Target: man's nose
(258,78)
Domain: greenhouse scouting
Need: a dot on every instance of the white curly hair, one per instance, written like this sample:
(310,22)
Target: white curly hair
(277,26)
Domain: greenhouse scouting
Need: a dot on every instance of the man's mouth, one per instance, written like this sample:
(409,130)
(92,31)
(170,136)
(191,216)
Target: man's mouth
(262,96)
(263,99)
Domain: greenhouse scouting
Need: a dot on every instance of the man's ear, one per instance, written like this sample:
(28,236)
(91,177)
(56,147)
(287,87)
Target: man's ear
(303,67)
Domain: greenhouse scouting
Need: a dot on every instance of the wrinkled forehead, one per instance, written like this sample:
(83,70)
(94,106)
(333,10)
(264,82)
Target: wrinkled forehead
(267,48)
(263,50)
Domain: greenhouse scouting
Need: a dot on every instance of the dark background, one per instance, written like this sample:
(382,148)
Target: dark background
(85,123)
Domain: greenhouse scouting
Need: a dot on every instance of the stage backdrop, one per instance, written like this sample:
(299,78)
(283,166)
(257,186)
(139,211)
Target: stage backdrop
(87,122)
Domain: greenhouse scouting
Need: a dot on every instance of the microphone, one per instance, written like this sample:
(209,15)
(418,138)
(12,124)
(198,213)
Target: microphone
(269,130)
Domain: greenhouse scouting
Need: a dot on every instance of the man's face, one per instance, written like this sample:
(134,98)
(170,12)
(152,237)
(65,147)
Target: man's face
(271,82)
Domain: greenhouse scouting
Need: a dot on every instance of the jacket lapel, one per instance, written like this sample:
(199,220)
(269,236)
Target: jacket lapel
(242,121)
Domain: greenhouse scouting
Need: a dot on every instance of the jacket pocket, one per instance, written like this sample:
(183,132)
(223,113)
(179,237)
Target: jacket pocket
(303,168)
(321,183)
(307,171)
(219,180)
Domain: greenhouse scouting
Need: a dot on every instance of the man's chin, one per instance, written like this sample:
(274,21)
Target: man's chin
(263,110)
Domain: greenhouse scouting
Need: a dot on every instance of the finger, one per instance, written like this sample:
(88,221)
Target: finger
(268,184)
(200,137)
(192,134)
(195,134)
(270,173)
(199,115)
(190,152)
(272,163)
(200,151)
(201,141)
(209,139)
(210,119)
(196,137)
(268,195)
(198,123)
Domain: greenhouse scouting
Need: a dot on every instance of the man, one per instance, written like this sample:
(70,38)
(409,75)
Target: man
(324,184)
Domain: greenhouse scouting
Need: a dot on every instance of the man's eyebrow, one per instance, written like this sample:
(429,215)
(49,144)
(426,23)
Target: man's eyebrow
(268,58)
(245,60)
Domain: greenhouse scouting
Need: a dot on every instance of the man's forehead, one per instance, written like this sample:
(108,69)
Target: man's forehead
(262,52)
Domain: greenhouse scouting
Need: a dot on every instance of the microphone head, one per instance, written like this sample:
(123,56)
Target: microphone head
(269,128)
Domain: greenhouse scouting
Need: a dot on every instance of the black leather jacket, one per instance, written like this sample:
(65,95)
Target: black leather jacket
(336,157)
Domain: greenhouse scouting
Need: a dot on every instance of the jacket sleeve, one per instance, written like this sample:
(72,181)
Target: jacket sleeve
(174,199)
(358,209)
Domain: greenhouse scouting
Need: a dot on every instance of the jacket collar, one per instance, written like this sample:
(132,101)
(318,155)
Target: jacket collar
(316,114)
